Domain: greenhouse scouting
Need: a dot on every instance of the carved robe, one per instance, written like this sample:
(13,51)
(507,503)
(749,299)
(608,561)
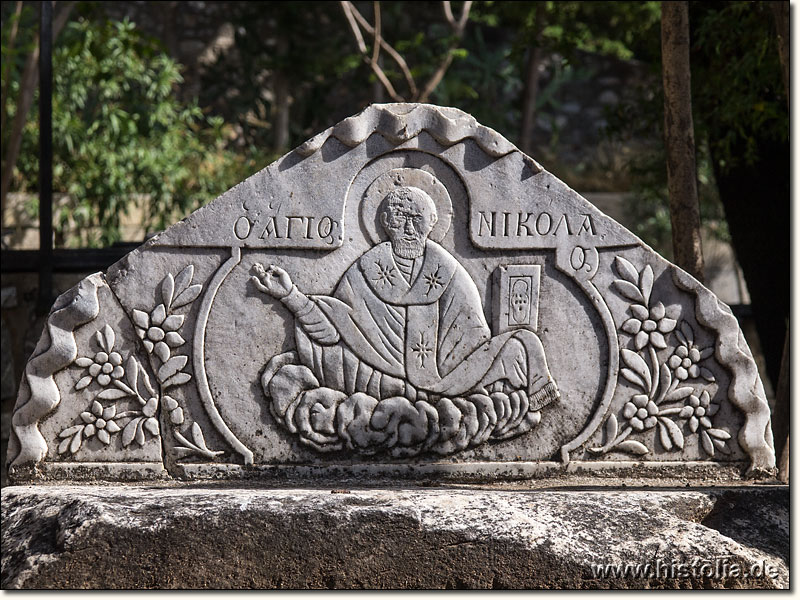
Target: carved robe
(384,335)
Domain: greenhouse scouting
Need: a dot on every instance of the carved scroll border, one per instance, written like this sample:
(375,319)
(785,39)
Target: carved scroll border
(745,391)
(44,395)
(199,356)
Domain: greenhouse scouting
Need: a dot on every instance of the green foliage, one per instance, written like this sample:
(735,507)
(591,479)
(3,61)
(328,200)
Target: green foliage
(736,81)
(737,96)
(119,132)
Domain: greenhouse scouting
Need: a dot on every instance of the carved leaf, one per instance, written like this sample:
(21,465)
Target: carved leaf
(628,290)
(721,446)
(675,433)
(189,295)
(132,371)
(633,447)
(130,431)
(173,339)
(184,278)
(663,435)
(124,387)
(172,322)
(84,381)
(141,318)
(112,394)
(167,290)
(198,437)
(172,366)
(636,362)
(687,331)
(719,434)
(63,446)
(84,362)
(678,394)
(633,378)
(110,337)
(75,445)
(148,386)
(177,379)
(646,283)
(140,439)
(161,350)
(611,428)
(707,375)
(666,377)
(101,341)
(70,431)
(626,270)
(708,446)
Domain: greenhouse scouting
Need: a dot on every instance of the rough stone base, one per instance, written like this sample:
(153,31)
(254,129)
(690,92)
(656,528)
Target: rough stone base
(208,536)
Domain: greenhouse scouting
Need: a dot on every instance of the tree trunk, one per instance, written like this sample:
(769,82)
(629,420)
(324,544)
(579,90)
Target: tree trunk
(12,38)
(529,99)
(763,251)
(679,138)
(780,12)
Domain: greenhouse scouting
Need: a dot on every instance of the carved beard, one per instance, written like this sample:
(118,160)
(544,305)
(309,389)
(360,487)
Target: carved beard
(408,248)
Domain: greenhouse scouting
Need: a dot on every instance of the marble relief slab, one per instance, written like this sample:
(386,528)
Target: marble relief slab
(406,292)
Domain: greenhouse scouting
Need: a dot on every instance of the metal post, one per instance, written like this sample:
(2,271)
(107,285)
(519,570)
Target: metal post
(45,159)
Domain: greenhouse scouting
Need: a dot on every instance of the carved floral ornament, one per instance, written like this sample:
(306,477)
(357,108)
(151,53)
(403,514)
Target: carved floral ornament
(125,381)
(435,338)
(670,391)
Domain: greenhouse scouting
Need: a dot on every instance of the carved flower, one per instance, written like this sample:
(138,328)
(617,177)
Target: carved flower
(684,362)
(641,412)
(698,410)
(105,365)
(99,423)
(158,331)
(650,326)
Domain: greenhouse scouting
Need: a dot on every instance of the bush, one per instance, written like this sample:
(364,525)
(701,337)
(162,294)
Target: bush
(120,135)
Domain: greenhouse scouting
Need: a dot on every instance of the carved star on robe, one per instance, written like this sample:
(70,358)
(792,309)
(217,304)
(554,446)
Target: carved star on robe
(422,349)
(386,274)
(433,280)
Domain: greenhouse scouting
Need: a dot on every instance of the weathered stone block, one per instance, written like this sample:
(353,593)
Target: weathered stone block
(131,537)
(408,293)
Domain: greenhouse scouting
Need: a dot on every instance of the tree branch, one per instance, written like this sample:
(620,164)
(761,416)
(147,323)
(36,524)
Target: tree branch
(412,86)
(346,8)
(458,29)
(349,12)
(376,45)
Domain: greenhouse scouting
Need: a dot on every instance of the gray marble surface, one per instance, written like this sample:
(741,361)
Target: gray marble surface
(404,289)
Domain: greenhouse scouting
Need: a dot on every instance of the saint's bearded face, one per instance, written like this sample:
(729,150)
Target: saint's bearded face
(408,220)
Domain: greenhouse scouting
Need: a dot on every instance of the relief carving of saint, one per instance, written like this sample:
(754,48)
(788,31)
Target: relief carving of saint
(400,357)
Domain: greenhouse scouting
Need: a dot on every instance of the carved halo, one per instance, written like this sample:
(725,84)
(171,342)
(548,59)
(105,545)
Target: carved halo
(371,204)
